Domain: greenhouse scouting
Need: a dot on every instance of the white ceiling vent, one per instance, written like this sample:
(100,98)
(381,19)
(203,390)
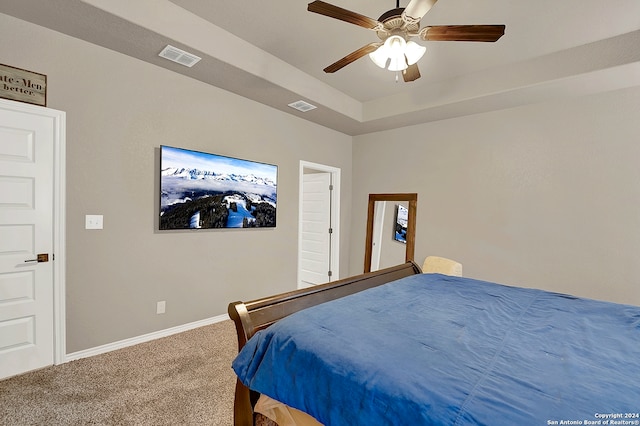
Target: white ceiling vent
(180,56)
(302,106)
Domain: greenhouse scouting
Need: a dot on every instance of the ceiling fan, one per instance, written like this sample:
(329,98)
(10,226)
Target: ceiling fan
(395,51)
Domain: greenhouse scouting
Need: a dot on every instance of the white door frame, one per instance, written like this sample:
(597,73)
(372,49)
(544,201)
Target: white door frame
(59,218)
(335,215)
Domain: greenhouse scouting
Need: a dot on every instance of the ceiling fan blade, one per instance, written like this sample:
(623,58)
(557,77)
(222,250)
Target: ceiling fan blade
(488,33)
(416,9)
(365,50)
(411,73)
(336,12)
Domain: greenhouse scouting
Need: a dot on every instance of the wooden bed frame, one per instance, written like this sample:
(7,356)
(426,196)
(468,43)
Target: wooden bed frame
(251,317)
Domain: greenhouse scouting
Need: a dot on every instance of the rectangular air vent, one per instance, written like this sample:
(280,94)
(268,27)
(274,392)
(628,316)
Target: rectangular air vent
(302,106)
(180,56)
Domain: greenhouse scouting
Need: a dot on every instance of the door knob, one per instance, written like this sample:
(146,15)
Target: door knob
(42,257)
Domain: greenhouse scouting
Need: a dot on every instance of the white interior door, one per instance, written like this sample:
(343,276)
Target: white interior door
(315,242)
(26,241)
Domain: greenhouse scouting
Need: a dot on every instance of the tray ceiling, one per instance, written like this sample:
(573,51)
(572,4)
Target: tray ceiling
(274,53)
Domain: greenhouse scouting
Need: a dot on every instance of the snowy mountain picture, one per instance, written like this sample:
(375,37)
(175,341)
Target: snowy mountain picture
(201,190)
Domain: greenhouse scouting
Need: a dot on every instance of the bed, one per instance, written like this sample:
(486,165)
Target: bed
(400,347)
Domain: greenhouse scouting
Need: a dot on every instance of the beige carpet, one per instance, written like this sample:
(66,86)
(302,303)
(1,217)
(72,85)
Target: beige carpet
(184,379)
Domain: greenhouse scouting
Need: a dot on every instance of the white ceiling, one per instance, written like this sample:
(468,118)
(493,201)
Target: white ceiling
(274,52)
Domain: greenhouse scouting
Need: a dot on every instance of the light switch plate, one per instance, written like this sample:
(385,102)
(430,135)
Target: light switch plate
(93,221)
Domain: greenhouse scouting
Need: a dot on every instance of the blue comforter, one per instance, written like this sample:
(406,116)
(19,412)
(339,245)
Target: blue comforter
(437,350)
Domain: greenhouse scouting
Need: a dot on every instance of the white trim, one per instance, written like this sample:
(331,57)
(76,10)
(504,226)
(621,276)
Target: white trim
(335,215)
(59,241)
(144,338)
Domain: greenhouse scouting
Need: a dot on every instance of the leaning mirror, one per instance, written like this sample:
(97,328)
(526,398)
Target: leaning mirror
(385,234)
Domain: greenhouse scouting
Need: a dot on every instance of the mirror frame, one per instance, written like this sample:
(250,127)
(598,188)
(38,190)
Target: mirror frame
(412,199)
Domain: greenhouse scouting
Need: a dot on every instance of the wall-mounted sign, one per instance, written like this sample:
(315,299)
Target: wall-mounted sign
(22,85)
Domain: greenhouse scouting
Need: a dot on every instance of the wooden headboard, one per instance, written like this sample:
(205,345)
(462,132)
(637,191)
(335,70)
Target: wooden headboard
(251,317)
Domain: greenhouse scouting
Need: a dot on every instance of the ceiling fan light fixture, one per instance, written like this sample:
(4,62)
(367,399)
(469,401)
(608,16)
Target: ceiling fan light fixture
(396,46)
(392,52)
(394,28)
(414,52)
(398,64)
(380,56)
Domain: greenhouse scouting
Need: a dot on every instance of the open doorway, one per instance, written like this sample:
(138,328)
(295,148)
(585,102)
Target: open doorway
(318,224)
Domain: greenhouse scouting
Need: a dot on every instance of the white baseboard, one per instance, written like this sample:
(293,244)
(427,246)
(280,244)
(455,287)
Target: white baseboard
(144,338)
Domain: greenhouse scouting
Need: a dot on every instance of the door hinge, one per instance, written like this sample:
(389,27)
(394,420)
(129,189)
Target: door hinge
(331,230)
(330,273)
(330,187)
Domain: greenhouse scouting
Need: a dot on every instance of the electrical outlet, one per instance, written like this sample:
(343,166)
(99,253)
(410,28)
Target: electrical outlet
(161,307)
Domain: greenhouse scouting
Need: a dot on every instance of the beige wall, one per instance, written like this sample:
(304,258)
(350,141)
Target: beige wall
(541,196)
(119,111)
